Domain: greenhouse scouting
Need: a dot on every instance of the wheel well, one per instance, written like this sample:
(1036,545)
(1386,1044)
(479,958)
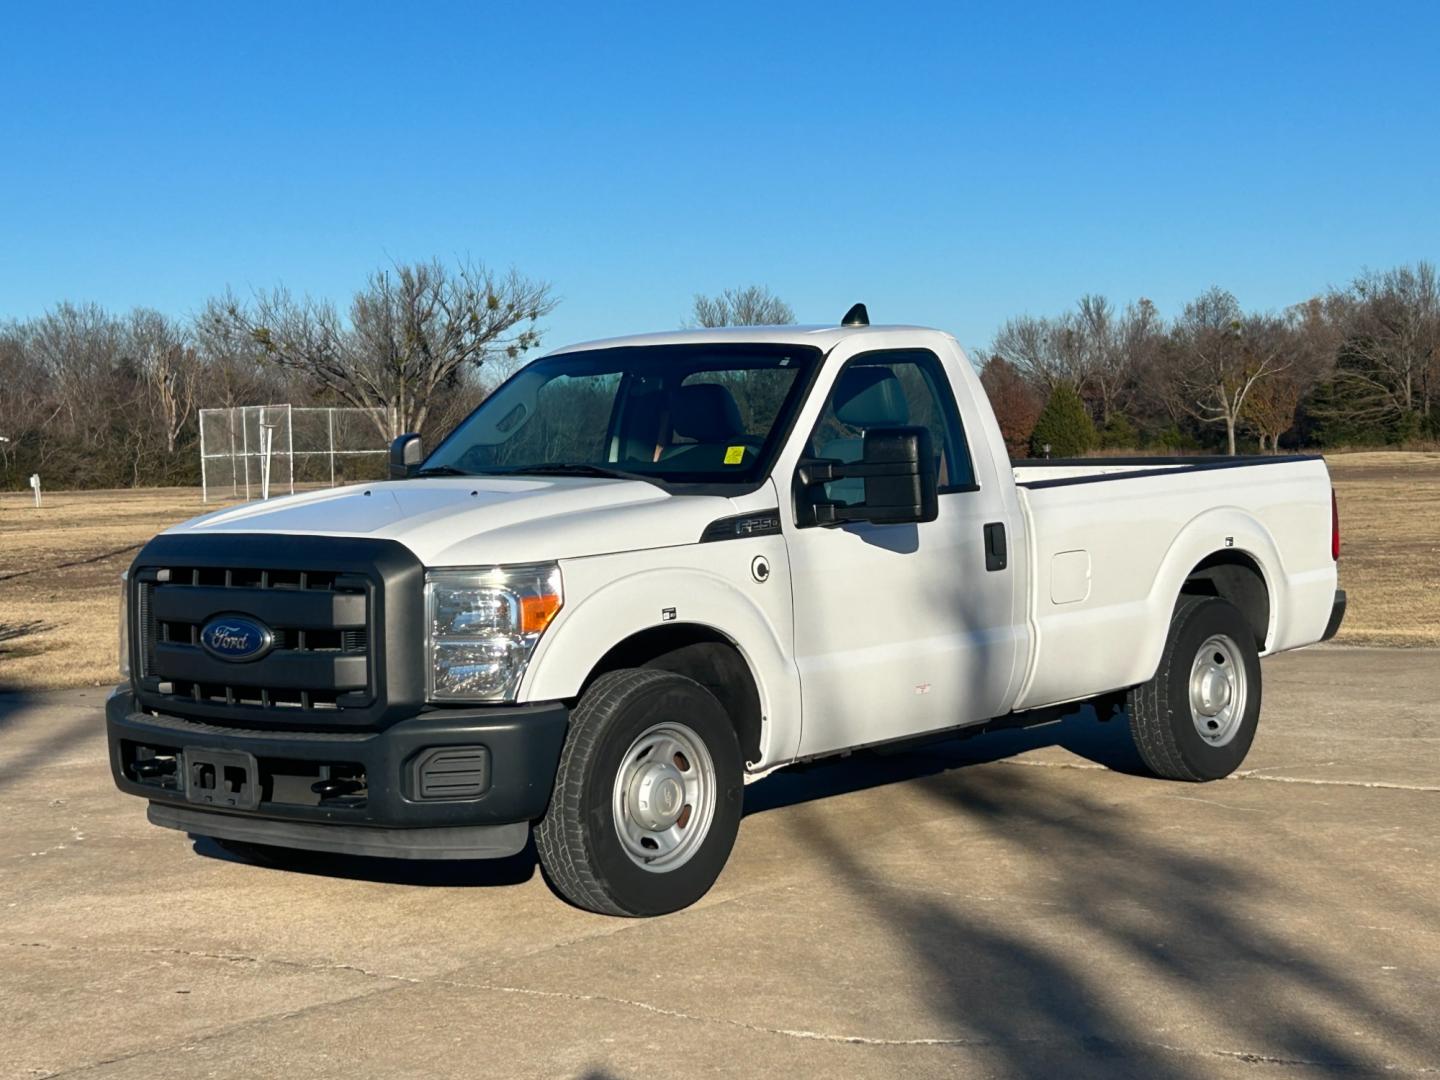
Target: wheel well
(1236,577)
(702,654)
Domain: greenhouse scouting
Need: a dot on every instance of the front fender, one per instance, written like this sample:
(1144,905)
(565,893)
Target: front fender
(617,597)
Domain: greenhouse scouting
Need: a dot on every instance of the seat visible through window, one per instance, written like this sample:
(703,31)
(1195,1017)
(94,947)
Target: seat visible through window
(890,390)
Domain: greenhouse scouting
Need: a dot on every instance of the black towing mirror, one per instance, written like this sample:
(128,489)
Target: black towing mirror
(406,454)
(898,468)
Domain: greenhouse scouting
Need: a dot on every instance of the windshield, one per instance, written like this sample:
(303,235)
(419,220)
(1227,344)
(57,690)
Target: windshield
(665,413)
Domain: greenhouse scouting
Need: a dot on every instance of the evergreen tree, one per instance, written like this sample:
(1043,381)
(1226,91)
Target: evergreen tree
(1064,425)
(1119,433)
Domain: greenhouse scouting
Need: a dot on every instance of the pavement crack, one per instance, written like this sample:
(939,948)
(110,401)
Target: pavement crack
(219,1033)
(1245,774)
(1092,1044)
(1212,802)
(1254,774)
(224,957)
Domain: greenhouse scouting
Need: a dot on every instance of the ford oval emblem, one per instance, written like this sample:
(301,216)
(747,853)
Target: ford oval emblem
(236,637)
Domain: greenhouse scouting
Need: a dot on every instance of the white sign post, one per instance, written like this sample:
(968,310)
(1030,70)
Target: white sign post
(35,484)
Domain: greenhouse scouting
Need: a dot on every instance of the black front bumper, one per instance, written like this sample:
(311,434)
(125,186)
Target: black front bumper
(405,806)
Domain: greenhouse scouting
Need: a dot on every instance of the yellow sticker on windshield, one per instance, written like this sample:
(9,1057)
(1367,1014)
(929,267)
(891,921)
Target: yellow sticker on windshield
(734,455)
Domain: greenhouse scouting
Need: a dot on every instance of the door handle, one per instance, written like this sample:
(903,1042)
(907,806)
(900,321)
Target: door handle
(996,555)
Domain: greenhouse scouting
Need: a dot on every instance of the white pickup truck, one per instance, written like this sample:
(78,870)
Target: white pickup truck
(649,570)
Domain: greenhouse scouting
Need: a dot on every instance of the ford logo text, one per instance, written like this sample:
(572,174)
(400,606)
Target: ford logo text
(236,637)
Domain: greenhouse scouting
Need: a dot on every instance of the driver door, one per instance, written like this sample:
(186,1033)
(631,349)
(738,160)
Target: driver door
(899,628)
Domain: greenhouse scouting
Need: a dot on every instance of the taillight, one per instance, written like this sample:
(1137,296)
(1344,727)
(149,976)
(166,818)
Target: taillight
(1334,527)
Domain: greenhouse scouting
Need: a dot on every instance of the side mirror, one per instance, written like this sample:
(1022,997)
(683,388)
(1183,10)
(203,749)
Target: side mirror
(406,453)
(898,468)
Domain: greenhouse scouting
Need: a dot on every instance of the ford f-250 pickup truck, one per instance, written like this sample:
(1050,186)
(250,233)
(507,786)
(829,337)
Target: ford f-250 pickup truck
(646,571)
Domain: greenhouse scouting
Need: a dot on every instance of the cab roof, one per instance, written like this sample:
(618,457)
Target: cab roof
(823,338)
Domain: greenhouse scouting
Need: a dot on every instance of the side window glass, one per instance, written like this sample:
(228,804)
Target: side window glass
(886,390)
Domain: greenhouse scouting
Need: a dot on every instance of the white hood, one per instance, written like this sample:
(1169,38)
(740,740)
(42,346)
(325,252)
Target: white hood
(485,521)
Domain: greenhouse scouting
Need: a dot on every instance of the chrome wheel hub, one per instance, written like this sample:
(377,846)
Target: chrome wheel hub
(656,795)
(664,797)
(1217,690)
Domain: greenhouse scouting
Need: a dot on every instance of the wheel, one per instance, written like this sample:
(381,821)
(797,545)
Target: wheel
(1195,720)
(647,797)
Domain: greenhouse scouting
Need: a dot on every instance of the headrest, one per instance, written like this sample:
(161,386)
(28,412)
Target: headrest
(705,412)
(870,397)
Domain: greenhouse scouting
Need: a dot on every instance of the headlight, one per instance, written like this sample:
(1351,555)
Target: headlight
(125,624)
(481,627)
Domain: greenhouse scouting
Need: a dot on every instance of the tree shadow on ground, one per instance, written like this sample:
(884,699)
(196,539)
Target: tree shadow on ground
(1131,949)
(60,736)
(11,632)
(12,644)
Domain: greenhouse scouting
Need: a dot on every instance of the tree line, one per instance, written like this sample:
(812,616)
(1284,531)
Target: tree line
(94,398)
(1356,366)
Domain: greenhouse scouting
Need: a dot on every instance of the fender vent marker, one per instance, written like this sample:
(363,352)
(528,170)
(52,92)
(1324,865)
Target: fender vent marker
(742,526)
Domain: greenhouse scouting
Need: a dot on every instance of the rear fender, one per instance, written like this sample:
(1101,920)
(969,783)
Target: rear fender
(1219,530)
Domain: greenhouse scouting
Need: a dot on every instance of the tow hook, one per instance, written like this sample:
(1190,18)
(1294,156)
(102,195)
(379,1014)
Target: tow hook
(153,768)
(334,789)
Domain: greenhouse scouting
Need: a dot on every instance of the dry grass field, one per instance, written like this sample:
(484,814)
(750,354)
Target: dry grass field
(60,565)
(60,570)
(1390,546)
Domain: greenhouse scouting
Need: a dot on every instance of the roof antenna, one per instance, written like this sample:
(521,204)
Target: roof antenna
(856,316)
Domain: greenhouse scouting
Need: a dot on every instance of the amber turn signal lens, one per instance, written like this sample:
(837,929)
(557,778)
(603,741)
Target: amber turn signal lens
(537,611)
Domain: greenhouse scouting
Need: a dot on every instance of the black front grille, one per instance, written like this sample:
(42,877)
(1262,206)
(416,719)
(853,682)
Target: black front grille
(346,614)
(319,659)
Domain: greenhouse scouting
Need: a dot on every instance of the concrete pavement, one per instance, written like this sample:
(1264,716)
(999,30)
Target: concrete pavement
(1000,906)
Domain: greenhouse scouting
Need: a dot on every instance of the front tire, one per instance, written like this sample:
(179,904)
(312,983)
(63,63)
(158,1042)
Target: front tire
(647,796)
(1195,720)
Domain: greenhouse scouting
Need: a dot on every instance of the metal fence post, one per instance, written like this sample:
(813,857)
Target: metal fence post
(245,448)
(204,486)
(290,438)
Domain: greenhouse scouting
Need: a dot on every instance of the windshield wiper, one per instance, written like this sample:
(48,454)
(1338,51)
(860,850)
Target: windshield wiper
(570,468)
(442,470)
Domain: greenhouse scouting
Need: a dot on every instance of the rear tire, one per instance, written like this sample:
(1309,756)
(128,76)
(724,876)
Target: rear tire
(1195,720)
(647,796)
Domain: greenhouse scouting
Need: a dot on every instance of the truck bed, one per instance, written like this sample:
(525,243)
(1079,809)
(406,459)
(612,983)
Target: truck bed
(1113,540)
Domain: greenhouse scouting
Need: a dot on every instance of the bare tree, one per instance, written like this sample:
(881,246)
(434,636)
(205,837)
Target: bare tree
(1222,356)
(169,367)
(1044,350)
(1392,343)
(20,397)
(413,334)
(1312,337)
(754,305)
(77,348)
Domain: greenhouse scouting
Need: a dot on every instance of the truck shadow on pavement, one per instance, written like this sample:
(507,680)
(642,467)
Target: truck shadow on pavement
(1108,744)
(457,873)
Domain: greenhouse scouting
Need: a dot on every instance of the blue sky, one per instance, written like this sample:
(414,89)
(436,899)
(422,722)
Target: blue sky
(949,165)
